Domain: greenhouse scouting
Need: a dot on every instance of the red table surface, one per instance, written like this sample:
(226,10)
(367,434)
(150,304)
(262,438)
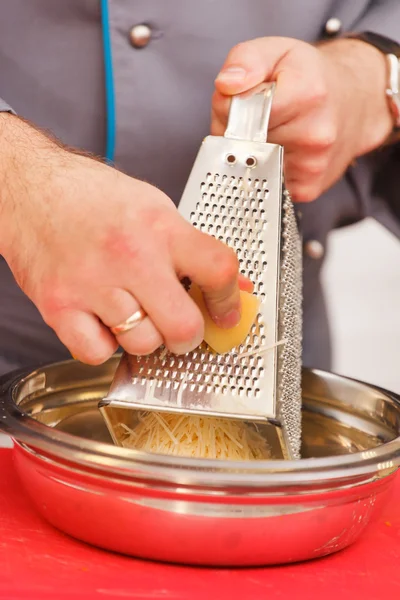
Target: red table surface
(37,562)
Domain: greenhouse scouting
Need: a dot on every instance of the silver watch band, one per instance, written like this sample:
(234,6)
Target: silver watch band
(393,90)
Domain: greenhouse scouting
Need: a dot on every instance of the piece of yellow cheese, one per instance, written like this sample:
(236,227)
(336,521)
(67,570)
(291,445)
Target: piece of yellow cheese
(223,340)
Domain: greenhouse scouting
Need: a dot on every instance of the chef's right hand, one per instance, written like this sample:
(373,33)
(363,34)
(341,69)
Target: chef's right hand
(90,245)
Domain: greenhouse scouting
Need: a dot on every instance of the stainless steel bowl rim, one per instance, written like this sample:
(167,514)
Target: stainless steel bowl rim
(187,471)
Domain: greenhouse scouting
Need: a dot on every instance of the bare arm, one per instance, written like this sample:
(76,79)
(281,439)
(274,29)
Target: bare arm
(89,245)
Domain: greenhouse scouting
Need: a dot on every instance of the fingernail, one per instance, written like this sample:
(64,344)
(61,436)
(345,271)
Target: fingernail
(229,320)
(188,346)
(233,74)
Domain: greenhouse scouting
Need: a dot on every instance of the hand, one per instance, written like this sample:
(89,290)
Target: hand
(89,245)
(329,107)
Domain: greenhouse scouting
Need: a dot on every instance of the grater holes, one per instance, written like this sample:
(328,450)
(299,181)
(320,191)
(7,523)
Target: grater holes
(237,214)
(260,286)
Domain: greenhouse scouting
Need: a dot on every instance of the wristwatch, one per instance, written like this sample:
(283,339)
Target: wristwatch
(391,49)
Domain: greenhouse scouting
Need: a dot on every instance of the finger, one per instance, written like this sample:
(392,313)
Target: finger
(245,284)
(219,113)
(313,132)
(294,65)
(250,63)
(301,192)
(214,268)
(305,172)
(160,293)
(303,187)
(306,167)
(114,306)
(87,339)
(143,339)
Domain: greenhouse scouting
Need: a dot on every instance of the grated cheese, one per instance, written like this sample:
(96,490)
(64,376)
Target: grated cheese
(261,350)
(195,436)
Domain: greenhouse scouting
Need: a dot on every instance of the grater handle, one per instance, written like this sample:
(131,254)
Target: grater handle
(249,114)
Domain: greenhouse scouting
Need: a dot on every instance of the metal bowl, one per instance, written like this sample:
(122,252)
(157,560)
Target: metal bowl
(202,511)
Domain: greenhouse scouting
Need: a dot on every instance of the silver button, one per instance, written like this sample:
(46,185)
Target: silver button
(140,36)
(314,249)
(333,25)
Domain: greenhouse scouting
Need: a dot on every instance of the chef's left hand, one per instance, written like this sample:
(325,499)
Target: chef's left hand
(329,106)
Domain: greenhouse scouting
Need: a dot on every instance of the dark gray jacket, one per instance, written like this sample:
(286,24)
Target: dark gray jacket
(51,71)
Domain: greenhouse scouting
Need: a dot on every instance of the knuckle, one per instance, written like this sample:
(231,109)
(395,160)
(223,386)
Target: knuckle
(86,349)
(139,232)
(323,138)
(314,168)
(303,194)
(186,330)
(143,340)
(156,218)
(117,304)
(238,50)
(226,267)
(118,243)
(96,358)
(142,347)
(52,300)
(247,52)
(318,93)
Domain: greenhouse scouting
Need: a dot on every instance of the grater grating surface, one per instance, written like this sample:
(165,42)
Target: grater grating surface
(235,194)
(290,328)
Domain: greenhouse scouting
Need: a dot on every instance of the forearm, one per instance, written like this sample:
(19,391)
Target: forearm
(26,159)
(6,161)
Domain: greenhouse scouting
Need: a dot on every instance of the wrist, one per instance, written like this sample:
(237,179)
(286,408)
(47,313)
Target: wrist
(361,82)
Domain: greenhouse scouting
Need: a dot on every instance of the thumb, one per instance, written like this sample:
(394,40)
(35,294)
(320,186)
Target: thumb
(251,63)
(214,268)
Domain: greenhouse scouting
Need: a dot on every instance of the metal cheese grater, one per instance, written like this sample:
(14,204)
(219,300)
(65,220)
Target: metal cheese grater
(236,193)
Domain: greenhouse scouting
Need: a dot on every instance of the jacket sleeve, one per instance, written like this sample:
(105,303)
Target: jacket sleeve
(4,107)
(383,17)
(375,179)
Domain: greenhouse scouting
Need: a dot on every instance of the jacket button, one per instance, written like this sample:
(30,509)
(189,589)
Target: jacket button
(333,26)
(314,249)
(140,36)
